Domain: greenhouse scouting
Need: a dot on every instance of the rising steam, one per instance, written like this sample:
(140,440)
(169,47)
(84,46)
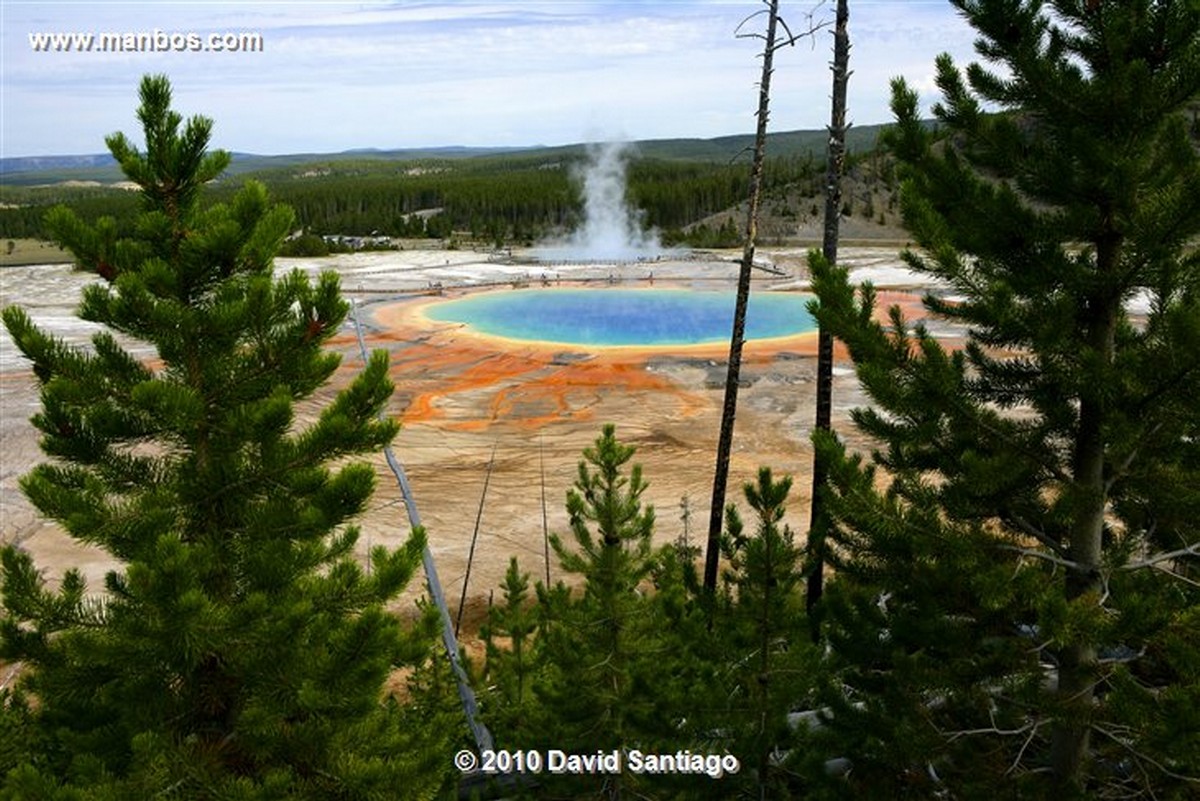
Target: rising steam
(611,230)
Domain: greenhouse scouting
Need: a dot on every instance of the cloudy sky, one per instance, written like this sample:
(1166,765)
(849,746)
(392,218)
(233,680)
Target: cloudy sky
(337,76)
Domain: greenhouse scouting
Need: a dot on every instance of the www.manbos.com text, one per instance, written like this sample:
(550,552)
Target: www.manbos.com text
(153,41)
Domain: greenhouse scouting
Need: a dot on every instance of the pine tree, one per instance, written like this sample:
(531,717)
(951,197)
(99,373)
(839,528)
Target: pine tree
(766,658)
(613,561)
(1016,615)
(510,666)
(239,651)
(604,655)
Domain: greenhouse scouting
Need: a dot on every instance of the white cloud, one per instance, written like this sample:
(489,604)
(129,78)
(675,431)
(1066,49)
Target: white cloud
(335,76)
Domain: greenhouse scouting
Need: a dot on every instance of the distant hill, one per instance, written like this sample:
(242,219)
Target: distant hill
(33,170)
(101,168)
(784,143)
(43,163)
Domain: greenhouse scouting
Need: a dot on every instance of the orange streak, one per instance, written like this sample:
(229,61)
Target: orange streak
(450,376)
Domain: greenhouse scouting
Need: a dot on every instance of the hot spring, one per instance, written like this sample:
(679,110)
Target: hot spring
(625,317)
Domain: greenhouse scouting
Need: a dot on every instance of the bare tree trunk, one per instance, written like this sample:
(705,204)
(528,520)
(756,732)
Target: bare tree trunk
(819,519)
(733,372)
(545,522)
(462,601)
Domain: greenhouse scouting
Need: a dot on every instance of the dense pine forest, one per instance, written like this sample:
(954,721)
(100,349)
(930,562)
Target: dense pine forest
(1013,600)
(501,200)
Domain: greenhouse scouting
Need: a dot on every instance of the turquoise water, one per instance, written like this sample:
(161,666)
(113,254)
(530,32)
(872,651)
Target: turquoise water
(615,317)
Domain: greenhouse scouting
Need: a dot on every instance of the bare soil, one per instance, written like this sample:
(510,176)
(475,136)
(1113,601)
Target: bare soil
(460,397)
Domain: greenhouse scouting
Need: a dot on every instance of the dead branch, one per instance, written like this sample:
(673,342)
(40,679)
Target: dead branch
(1024,747)
(993,729)
(1140,757)
(791,38)
(737,32)
(1161,558)
(1058,560)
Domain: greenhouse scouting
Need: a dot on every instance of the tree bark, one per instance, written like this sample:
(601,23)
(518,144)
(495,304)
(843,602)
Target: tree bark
(1077,675)
(818,521)
(737,338)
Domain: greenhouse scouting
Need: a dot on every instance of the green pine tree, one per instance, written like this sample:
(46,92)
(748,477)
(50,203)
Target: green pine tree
(596,630)
(1016,615)
(767,658)
(602,649)
(239,651)
(508,640)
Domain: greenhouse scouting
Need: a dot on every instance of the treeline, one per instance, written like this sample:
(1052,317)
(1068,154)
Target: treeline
(23,209)
(494,199)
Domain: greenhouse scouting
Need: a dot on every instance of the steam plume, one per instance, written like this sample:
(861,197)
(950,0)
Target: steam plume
(610,229)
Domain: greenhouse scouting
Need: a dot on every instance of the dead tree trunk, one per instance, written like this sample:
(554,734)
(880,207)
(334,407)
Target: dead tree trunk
(819,519)
(733,372)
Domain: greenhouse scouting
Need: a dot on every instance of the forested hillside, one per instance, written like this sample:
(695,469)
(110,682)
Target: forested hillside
(511,198)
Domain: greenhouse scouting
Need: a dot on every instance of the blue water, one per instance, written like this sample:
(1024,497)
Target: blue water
(615,317)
